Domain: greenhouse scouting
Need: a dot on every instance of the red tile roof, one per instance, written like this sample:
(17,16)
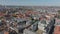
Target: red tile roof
(1,14)
(57,30)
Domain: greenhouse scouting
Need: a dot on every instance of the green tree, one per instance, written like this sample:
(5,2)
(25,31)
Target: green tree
(46,12)
(58,11)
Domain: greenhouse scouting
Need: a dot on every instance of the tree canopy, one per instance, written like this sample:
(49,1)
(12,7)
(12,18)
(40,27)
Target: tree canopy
(59,11)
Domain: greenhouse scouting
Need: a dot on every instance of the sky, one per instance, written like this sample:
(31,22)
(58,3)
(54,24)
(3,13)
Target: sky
(31,2)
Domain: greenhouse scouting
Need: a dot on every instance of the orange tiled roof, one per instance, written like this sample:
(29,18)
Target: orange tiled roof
(1,14)
(57,30)
(32,12)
